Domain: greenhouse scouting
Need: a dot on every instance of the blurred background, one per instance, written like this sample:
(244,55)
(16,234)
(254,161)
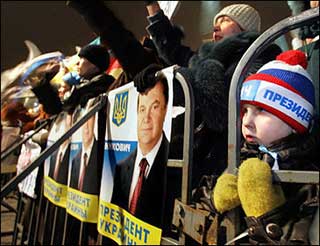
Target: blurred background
(53,26)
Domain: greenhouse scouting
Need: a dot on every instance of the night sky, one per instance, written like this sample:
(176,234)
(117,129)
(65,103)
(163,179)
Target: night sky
(53,26)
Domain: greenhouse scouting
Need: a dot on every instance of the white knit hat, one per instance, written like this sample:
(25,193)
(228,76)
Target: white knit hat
(284,88)
(246,16)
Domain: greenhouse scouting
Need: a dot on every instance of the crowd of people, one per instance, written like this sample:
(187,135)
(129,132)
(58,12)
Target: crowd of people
(278,109)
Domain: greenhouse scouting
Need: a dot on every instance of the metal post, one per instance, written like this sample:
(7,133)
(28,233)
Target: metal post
(18,215)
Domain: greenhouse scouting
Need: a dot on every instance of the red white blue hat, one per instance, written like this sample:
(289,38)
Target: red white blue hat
(284,88)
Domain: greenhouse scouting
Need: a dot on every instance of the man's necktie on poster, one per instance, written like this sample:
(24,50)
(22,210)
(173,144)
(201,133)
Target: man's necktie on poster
(134,200)
(56,168)
(83,173)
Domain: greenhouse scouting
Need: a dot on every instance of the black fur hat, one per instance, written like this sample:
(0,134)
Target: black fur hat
(97,55)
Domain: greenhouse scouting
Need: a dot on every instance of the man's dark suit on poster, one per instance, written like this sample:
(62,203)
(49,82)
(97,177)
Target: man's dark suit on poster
(91,183)
(62,176)
(150,207)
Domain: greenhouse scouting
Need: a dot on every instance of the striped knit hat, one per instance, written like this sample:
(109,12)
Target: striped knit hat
(246,16)
(284,88)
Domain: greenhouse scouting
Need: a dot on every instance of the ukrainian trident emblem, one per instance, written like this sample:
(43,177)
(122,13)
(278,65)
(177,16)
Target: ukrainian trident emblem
(120,108)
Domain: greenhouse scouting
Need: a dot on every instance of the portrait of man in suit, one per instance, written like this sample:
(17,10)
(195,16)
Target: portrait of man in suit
(85,177)
(140,179)
(85,171)
(59,161)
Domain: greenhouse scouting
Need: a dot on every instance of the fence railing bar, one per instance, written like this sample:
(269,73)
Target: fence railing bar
(36,229)
(44,223)
(31,222)
(5,153)
(188,138)
(48,151)
(18,215)
(53,232)
(65,229)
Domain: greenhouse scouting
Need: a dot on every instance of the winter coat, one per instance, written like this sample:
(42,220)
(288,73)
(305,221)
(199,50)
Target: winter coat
(295,152)
(210,71)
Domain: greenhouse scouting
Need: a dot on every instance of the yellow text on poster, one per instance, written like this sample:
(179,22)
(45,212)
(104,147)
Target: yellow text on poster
(125,229)
(83,206)
(55,192)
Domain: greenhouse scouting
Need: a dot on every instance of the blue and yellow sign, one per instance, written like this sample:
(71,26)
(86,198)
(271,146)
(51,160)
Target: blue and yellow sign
(125,229)
(82,206)
(120,108)
(55,192)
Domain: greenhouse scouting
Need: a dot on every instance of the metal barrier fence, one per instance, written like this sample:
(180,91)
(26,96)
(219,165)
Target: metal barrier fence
(41,205)
(305,18)
(34,222)
(232,221)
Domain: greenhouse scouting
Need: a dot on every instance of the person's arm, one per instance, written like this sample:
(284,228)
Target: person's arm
(166,37)
(87,89)
(127,49)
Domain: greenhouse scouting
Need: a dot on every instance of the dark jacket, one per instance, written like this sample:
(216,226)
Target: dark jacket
(210,71)
(92,178)
(295,152)
(131,54)
(87,89)
(150,207)
(80,94)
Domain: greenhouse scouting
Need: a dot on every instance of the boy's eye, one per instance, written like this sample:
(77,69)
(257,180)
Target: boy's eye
(259,109)
(244,110)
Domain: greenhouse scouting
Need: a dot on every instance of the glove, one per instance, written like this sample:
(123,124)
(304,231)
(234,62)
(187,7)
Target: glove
(71,78)
(225,193)
(48,96)
(146,78)
(257,193)
(87,89)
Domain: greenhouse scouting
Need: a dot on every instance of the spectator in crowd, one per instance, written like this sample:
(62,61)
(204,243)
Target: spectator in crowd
(130,52)
(210,75)
(306,34)
(276,138)
(235,28)
(94,60)
(15,121)
(15,114)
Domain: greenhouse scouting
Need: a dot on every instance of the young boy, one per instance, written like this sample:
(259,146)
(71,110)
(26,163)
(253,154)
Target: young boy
(277,106)
(277,109)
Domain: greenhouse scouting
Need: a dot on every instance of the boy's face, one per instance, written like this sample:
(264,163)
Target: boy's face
(262,127)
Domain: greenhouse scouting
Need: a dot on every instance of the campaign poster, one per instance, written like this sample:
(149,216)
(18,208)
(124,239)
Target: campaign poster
(84,169)
(132,194)
(56,166)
